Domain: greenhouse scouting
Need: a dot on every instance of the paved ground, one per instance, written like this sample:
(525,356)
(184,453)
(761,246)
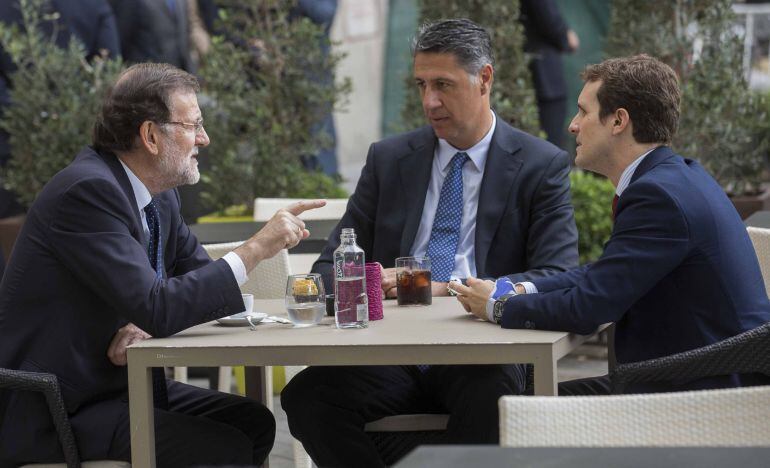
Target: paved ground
(588,360)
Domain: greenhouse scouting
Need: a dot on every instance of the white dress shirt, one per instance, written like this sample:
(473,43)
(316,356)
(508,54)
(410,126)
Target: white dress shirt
(473,172)
(142,197)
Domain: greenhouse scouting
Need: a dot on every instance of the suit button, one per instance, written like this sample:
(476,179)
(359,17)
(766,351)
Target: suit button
(529,324)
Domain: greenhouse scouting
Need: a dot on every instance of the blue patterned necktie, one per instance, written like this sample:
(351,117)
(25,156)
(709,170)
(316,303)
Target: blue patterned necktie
(155,253)
(445,234)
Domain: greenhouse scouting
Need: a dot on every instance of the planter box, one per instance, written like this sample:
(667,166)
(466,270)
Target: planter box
(749,204)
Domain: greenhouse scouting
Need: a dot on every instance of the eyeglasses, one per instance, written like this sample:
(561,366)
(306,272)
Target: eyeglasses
(197,126)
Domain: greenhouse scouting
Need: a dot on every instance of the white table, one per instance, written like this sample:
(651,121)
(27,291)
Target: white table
(442,333)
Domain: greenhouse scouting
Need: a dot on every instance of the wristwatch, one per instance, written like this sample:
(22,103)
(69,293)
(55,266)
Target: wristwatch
(497,309)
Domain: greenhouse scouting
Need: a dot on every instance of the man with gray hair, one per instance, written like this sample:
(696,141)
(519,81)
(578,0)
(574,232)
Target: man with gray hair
(479,198)
(105,260)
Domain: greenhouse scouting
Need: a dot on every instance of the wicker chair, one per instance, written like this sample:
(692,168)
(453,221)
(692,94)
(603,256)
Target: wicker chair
(48,385)
(735,417)
(761,239)
(741,354)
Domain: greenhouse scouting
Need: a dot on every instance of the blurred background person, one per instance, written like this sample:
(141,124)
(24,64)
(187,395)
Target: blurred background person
(547,37)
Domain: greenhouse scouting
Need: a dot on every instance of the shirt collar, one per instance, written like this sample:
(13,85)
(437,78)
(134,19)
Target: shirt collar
(141,194)
(477,153)
(628,173)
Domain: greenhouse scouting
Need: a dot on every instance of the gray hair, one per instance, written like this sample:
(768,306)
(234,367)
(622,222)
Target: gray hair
(466,40)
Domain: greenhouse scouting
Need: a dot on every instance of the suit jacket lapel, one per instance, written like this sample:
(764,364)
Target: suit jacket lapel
(500,171)
(120,175)
(414,169)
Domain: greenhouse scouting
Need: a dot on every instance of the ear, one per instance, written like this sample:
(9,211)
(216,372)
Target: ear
(621,120)
(486,76)
(149,135)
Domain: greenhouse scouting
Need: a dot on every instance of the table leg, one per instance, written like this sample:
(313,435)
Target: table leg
(141,415)
(546,380)
(259,386)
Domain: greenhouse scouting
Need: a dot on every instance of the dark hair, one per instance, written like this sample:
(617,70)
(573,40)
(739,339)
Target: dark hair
(646,87)
(466,40)
(141,93)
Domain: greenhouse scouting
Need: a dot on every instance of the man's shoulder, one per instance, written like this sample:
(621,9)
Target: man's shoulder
(88,171)
(407,141)
(534,153)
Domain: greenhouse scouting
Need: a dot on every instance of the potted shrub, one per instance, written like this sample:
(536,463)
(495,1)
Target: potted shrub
(55,95)
(723,124)
(263,97)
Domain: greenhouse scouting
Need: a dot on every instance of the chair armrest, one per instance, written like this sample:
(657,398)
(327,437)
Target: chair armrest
(48,385)
(741,354)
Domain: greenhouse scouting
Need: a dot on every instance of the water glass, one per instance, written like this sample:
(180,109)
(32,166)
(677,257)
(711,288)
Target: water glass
(305,299)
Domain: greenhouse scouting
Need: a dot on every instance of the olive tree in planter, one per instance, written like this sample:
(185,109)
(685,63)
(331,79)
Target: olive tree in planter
(724,125)
(264,95)
(513,97)
(55,96)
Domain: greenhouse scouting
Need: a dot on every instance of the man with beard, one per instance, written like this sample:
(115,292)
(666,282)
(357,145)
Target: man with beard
(105,260)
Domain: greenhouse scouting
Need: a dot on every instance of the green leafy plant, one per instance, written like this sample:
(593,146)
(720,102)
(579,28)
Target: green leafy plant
(592,200)
(55,96)
(264,95)
(513,96)
(723,124)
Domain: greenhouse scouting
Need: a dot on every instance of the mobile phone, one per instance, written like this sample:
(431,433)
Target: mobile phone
(452,291)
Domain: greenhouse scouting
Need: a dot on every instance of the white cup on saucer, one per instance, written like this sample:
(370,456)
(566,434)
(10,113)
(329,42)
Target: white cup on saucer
(248,303)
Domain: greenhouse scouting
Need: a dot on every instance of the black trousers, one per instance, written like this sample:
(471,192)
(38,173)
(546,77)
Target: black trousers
(327,407)
(586,387)
(204,427)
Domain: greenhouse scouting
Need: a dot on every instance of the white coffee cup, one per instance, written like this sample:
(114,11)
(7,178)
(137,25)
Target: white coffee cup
(248,303)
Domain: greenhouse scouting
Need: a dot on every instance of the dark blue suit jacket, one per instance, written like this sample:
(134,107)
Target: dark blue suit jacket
(679,271)
(525,224)
(79,271)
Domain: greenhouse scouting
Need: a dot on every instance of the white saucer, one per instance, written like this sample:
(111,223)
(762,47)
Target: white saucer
(239,319)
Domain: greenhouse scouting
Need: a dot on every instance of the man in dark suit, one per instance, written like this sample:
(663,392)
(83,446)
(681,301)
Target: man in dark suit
(512,216)
(679,271)
(154,31)
(104,260)
(547,37)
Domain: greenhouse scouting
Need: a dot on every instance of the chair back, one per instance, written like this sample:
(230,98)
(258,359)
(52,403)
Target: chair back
(267,280)
(265,208)
(736,417)
(760,237)
(745,353)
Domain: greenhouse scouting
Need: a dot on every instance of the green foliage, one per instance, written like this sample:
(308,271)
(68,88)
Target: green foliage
(266,87)
(513,97)
(723,124)
(56,94)
(592,200)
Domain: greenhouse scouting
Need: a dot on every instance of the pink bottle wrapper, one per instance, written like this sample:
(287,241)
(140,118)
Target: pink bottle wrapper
(374,290)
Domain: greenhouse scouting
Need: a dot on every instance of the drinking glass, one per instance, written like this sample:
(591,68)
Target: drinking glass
(413,281)
(305,299)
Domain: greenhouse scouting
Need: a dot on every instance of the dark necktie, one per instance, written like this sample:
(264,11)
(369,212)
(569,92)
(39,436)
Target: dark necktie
(445,233)
(614,206)
(155,253)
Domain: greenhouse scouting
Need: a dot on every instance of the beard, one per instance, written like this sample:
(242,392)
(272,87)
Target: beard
(179,168)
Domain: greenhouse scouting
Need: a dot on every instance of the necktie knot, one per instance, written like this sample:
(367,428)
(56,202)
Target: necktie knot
(458,160)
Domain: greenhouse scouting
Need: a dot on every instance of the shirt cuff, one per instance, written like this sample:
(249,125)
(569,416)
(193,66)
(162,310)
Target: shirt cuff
(491,310)
(239,269)
(529,287)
